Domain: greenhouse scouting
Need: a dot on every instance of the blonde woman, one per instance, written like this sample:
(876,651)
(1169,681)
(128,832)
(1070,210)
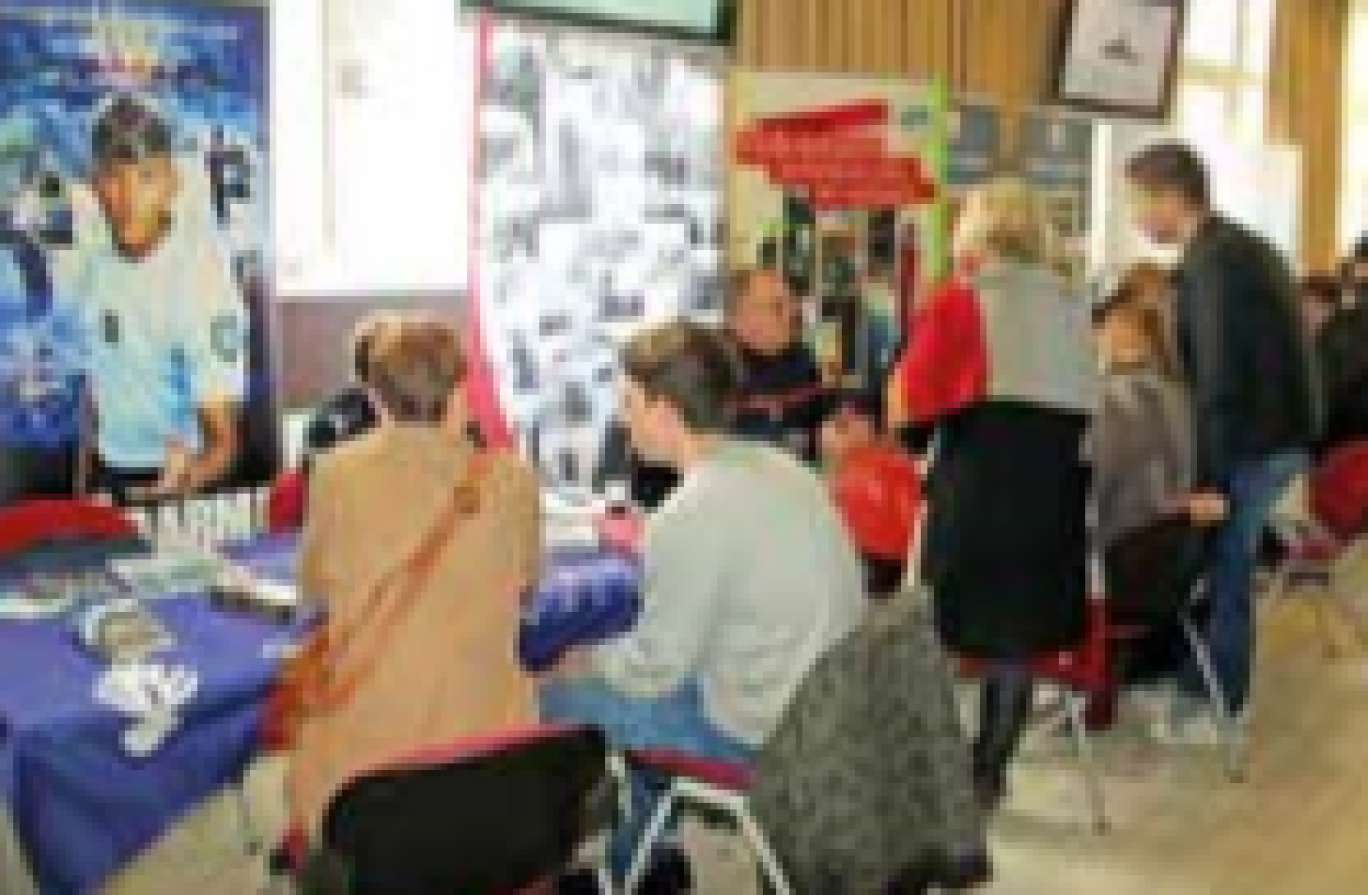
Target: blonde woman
(1000,362)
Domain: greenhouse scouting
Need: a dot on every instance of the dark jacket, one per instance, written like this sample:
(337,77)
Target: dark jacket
(793,379)
(1244,350)
(1342,349)
(1002,366)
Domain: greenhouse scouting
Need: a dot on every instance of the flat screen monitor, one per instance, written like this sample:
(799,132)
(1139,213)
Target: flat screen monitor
(711,21)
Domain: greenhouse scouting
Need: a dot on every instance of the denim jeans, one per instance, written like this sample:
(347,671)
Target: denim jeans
(676,722)
(1253,490)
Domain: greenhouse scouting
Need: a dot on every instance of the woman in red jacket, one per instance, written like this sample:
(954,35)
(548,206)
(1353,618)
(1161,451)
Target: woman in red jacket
(1000,363)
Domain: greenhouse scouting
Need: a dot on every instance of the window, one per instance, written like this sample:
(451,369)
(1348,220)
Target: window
(1222,87)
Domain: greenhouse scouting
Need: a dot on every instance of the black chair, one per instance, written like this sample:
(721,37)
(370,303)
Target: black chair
(502,819)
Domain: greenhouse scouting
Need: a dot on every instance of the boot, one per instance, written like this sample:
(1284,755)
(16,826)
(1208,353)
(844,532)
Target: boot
(1004,710)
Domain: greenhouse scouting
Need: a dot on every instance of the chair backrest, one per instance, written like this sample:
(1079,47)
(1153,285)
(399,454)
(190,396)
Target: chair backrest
(1339,490)
(1153,573)
(497,820)
(31,524)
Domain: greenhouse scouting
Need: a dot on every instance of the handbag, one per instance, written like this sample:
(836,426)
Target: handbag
(310,682)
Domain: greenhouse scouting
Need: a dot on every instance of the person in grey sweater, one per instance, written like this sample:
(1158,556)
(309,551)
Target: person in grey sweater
(749,576)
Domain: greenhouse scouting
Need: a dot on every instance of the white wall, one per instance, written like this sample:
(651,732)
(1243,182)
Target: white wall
(372,138)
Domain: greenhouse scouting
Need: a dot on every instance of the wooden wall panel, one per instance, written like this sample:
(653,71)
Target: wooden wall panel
(1305,107)
(1003,49)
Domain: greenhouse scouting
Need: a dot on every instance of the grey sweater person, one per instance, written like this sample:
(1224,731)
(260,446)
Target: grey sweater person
(750,578)
(1142,450)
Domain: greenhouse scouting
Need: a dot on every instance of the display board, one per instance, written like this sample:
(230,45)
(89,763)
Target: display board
(599,211)
(711,20)
(836,182)
(1055,153)
(134,221)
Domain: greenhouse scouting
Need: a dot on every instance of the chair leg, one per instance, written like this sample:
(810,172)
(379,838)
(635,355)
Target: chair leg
(769,862)
(1320,607)
(251,839)
(1233,740)
(654,831)
(1077,705)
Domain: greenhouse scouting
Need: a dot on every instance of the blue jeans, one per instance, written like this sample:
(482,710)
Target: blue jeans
(1253,491)
(676,722)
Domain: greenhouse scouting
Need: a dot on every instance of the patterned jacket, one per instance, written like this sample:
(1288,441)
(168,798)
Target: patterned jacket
(866,781)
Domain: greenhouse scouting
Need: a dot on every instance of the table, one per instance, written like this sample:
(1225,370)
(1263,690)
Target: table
(80,807)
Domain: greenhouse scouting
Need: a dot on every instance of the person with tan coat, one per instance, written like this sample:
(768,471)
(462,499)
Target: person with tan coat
(433,659)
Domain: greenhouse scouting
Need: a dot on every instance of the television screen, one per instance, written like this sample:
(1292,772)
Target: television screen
(709,20)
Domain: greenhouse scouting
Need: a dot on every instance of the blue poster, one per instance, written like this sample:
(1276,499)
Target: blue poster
(975,138)
(134,234)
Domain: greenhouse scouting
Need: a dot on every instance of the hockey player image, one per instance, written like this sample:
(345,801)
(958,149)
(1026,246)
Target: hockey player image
(166,327)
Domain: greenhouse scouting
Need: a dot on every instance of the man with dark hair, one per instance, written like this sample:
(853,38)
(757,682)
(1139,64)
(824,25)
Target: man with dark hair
(167,327)
(749,575)
(1249,367)
(781,400)
(1340,331)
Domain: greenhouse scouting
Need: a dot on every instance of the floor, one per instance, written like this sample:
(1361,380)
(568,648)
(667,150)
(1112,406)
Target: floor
(1295,828)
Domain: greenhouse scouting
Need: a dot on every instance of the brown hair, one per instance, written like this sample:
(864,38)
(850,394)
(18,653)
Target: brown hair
(364,337)
(1134,298)
(1172,166)
(416,363)
(691,366)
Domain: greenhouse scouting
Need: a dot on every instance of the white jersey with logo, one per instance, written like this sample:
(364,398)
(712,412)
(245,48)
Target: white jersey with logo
(165,336)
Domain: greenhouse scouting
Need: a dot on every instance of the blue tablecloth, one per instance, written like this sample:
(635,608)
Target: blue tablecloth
(83,807)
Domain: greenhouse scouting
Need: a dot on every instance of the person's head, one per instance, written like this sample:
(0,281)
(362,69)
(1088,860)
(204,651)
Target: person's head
(1356,271)
(762,313)
(679,380)
(854,423)
(1133,328)
(134,174)
(1005,220)
(417,367)
(1320,300)
(1171,192)
(364,336)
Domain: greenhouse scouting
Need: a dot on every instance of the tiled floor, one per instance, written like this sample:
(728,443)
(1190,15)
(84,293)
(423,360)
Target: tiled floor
(1297,827)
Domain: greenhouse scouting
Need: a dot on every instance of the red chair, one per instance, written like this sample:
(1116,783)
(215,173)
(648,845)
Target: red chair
(1080,675)
(714,785)
(1315,548)
(34,523)
(285,502)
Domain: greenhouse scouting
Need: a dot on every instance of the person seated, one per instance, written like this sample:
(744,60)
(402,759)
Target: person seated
(418,546)
(876,487)
(781,400)
(351,412)
(1153,528)
(1340,335)
(749,576)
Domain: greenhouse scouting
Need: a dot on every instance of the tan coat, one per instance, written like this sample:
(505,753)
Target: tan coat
(449,667)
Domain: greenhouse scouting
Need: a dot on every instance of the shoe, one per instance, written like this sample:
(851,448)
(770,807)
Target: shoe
(670,873)
(1193,727)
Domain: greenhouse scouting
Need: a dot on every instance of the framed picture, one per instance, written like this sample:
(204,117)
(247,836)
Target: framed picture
(1119,57)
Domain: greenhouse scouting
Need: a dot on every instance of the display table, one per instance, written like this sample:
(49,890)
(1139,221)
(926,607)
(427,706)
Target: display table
(80,806)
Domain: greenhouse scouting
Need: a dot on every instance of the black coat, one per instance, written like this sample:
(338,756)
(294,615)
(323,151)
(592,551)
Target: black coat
(1342,348)
(1005,549)
(1245,351)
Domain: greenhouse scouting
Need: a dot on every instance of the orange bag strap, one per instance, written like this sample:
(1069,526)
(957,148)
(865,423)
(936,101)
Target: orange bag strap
(404,582)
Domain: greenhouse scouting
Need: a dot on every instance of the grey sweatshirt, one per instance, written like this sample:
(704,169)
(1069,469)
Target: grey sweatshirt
(1142,450)
(750,577)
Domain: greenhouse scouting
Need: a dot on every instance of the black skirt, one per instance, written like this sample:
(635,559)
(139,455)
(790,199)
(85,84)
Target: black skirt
(1005,550)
